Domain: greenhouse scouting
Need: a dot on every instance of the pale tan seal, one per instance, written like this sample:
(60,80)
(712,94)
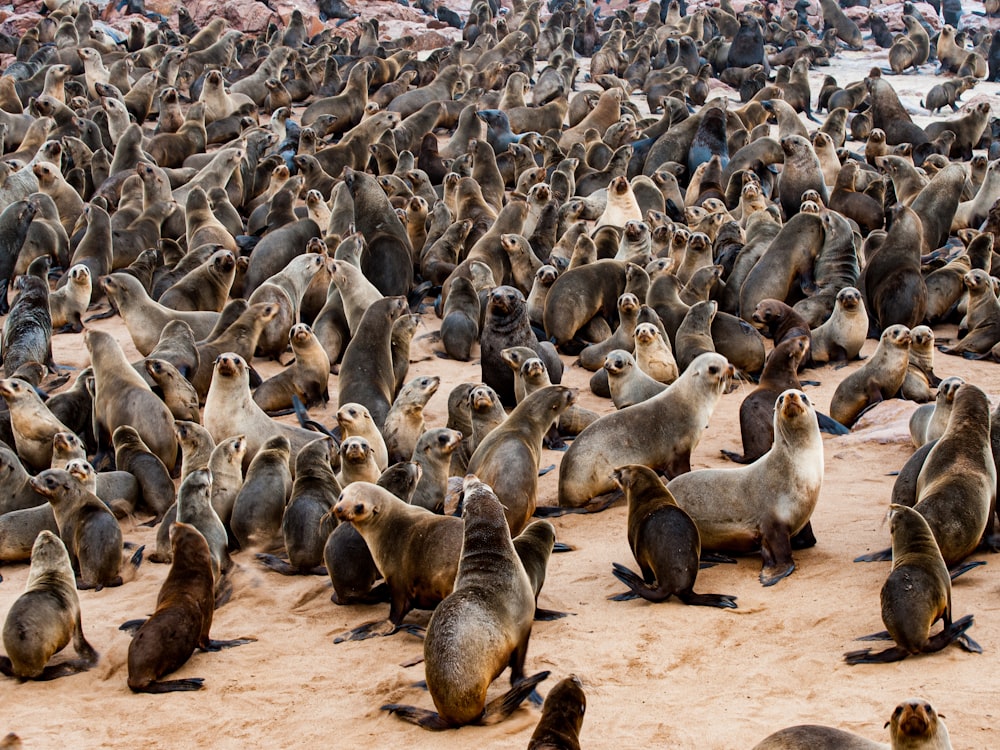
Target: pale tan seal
(767,503)
(880,377)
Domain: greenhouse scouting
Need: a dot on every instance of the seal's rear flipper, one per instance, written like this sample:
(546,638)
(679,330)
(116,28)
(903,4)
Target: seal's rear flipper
(547,615)
(865,656)
(830,426)
(500,708)
(965,567)
(131,626)
(419,716)
(955,632)
(219,645)
(722,601)
(884,555)
(171,686)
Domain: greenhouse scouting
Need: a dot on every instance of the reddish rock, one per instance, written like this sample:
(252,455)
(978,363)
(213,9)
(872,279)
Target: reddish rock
(18,23)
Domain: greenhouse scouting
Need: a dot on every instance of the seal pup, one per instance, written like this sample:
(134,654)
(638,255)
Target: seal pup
(508,457)
(417,552)
(664,541)
(87,527)
(481,628)
(929,421)
(843,334)
(879,378)
(660,433)
(767,503)
(916,595)
(43,619)
(182,619)
(562,717)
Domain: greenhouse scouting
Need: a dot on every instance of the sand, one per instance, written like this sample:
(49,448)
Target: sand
(662,674)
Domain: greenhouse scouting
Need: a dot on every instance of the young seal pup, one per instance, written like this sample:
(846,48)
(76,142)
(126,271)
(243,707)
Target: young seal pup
(482,627)
(664,541)
(916,594)
(45,617)
(182,620)
(768,502)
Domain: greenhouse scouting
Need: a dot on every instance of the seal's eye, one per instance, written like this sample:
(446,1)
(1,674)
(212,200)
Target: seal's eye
(713,370)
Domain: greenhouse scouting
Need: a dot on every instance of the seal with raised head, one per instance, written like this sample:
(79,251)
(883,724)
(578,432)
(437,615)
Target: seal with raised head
(416,551)
(508,457)
(659,433)
(481,628)
(843,334)
(767,503)
(43,619)
(664,541)
(182,619)
(916,595)
(879,378)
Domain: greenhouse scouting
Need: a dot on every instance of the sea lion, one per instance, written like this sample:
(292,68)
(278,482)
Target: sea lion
(768,502)
(916,594)
(366,372)
(133,455)
(627,383)
(419,572)
(43,619)
(32,423)
(562,717)
(122,397)
(879,378)
(182,620)
(664,541)
(482,627)
(686,405)
(508,457)
(90,532)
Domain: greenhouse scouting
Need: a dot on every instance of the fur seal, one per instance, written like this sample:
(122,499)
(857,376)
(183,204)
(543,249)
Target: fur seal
(916,594)
(507,325)
(31,422)
(68,304)
(664,541)
(43,619)
(627,383)
(879,378)
(133,455)
(27,331)
(767,503)
(179,395)
(481,628)
(508,457)
(257,511)
(562,717)
(307,377)
(182,620)
(920,377)
(841,337)
(929,421)
(419,572)
(122,397)
(90,532)
(686,405)
(405,422)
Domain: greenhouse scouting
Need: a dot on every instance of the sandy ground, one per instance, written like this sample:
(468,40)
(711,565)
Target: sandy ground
(665,674)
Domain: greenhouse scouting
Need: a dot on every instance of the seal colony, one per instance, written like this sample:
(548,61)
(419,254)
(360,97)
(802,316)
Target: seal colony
(235,199)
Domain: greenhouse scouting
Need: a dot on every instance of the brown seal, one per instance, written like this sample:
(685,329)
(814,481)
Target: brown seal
(33,425)
(841,337)
(562,717)
(122,397)
(895,289)
(43,619)
(628,384)
(182,619)
(508,457)
(664,541)
(920,377)
(68,304)
(90,532)
(179,395)
(916,594)
(416,551)
(767,503)
(929,421)
(778,321)
(307,377)
(757,409)
(686,405)
(133,455)
(205,287)
(405,422)
(982,323)
(257,510)
(355,420)
(481,628)
(879,378)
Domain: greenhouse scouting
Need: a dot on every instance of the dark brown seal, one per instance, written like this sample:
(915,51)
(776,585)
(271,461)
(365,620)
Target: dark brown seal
(562,717)
(664,541)
(481,628)
(182,620)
